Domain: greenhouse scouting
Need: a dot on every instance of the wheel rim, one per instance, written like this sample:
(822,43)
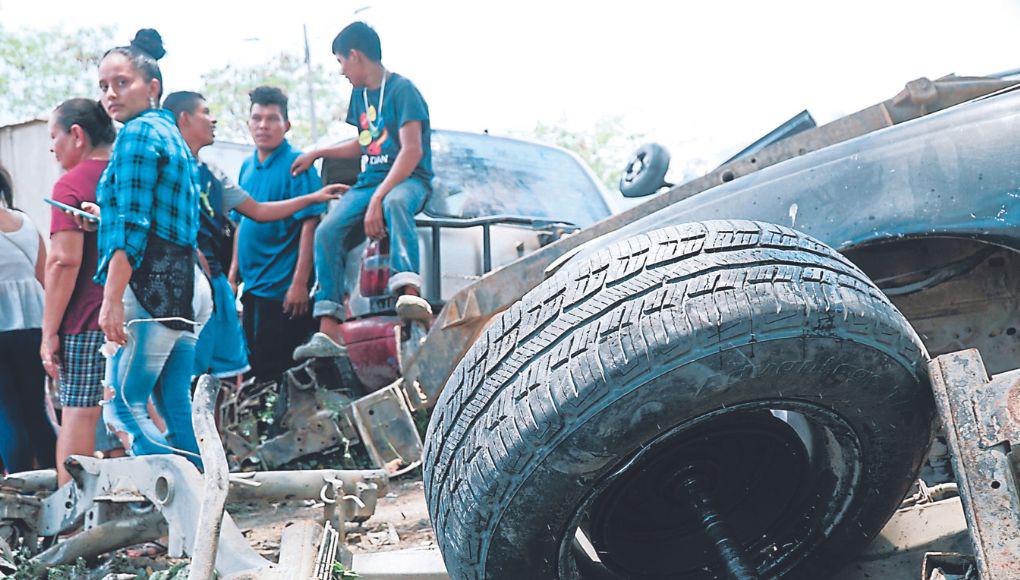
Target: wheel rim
(635,167)
(779,474)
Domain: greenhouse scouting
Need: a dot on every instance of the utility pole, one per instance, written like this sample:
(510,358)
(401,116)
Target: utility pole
(311,89)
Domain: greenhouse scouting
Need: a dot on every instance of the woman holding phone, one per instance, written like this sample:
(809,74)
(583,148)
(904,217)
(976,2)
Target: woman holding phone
(82,134)
(155,299)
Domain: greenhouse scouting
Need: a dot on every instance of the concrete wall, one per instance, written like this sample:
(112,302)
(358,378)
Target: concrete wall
(25,153)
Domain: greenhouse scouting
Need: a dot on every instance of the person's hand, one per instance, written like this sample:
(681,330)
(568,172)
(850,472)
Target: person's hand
(111,321)
(295,302)
(86,224)
(203,263)
(49,352)
(303,162)
(232,279)
(329,193)
(375,223)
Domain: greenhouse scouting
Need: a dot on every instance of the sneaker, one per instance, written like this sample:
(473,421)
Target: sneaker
(319,346)
(410,307)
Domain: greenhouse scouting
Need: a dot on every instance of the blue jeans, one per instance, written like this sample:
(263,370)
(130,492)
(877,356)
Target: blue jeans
(158,362)
(26,435)
(346,216)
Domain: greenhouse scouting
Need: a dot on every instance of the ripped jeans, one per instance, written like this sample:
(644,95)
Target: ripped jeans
(158,362)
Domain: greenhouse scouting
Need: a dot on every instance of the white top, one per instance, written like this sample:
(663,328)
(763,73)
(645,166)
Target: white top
(21,294)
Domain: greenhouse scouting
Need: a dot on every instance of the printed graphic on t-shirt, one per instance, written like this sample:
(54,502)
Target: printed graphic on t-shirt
(373,136)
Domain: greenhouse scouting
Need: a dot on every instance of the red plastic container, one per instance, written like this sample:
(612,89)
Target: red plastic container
(375,268)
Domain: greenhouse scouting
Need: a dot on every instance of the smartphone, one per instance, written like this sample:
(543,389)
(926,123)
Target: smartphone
(72,209)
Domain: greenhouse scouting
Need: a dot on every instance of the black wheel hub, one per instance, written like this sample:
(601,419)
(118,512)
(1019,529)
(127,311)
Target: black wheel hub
(733,495)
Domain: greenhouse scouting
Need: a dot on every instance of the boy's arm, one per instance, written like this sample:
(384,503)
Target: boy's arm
(267,211)
(345,150)
(234,276)
(403,166)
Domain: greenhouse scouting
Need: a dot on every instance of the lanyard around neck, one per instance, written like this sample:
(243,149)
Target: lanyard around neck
(382,95)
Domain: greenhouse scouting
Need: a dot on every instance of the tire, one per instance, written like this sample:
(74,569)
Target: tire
(732,366)
(646,171)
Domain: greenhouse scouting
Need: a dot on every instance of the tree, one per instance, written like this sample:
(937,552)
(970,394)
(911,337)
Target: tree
(41,68)
(606,146)
(227,89)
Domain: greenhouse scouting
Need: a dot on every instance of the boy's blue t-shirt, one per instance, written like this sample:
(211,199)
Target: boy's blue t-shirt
(267,252)
(403,104)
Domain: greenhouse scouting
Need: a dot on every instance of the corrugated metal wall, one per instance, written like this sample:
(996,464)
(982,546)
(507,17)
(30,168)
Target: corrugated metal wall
(25,153)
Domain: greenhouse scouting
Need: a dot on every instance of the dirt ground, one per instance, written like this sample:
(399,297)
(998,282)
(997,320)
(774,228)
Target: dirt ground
(401,521)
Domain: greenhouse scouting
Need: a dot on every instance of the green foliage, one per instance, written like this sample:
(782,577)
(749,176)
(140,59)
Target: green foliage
(41,68)
(178,571)
(605,146)
(339,572)
(29,570)
(227,89)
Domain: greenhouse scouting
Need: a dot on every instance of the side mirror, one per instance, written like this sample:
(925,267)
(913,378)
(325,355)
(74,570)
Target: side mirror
(646,171)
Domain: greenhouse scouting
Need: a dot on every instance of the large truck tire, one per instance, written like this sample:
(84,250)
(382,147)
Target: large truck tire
(704,401)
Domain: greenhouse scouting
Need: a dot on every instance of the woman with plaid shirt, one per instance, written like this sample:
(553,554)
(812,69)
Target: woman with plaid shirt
(155,299)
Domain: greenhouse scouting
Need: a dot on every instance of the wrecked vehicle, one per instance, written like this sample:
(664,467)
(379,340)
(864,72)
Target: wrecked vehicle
(732,380)
(491,204)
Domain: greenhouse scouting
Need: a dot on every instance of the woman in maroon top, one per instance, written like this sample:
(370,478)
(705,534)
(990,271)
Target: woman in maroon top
(82,134)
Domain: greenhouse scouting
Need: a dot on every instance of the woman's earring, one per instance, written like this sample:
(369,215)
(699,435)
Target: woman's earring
(152,102)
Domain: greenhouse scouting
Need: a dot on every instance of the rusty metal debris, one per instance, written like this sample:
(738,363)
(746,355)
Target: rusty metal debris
(981,415)
(119,502)
(948,566)
(314,409)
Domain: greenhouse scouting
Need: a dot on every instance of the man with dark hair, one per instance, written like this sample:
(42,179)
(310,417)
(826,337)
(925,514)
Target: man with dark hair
(396,167)
(221,348)
(274,259)
(265,96)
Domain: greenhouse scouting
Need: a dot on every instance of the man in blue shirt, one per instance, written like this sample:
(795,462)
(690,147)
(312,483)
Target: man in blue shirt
(221,348)
(394,144)
(274,259)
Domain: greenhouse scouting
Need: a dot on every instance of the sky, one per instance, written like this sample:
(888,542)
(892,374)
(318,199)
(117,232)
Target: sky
(702,78)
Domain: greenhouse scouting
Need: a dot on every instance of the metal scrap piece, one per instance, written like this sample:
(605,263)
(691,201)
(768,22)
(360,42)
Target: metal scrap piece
(980,430)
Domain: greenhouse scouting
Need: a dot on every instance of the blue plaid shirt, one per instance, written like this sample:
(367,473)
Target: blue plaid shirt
(150,186)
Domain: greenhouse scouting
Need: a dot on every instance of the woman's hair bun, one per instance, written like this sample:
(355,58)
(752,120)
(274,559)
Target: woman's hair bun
(150,42)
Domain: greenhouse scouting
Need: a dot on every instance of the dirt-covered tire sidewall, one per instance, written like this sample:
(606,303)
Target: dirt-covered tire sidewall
(517,443)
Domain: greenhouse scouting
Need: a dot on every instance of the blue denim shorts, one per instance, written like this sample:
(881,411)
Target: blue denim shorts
(221,349)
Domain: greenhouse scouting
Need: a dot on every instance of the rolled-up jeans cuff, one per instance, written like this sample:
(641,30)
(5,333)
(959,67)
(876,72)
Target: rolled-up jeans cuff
(328,308)
(401,279)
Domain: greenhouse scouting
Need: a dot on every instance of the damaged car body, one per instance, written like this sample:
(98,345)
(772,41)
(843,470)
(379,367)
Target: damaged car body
(629,396)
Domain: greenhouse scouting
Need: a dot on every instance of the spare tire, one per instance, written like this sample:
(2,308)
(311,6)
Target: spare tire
(645,173)
(717,399)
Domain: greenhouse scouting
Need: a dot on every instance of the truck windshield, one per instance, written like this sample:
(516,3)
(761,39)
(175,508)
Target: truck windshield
(480,175)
